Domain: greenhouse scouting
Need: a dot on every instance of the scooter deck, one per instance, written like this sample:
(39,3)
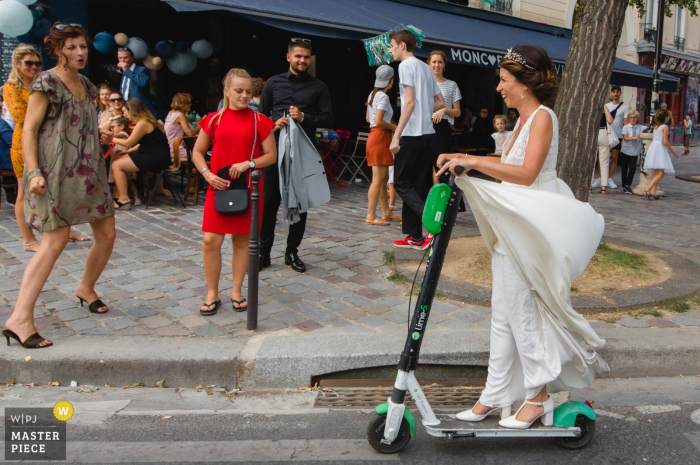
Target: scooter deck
(488,427)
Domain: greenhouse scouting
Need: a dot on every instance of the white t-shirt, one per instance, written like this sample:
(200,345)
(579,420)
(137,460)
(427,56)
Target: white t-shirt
(632,148)
(618,122)
(450,92)
(417,74)
(500,139)
(380,102)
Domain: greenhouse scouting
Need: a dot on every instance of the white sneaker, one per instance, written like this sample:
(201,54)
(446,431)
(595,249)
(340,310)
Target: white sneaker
(596,182)
(611,184)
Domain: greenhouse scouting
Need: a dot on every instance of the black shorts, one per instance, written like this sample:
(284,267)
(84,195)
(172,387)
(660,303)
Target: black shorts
(151,160)
(618,147)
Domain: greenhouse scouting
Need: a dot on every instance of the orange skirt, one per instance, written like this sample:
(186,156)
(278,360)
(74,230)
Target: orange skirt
(377,148)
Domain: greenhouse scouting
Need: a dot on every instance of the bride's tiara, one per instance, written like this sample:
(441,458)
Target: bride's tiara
(515,56)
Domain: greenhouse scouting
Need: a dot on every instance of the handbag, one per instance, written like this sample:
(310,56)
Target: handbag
(236,199)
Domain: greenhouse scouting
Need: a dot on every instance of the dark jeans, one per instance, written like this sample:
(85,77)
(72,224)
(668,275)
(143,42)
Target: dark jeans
(628,165)
(272,200)
(410,181)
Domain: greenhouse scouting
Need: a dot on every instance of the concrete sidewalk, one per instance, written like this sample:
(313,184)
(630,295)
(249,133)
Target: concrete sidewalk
(342,314)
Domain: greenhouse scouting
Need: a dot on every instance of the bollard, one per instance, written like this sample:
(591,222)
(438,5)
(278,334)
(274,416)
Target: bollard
(254,251)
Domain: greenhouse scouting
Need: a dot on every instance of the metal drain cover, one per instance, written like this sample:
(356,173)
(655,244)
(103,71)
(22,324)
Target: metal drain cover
(439,396)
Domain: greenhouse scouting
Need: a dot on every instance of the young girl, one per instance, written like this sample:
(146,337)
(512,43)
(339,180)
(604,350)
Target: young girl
(232,132)
(657,158)
(379,157)
(499,123)
(687,131)
(631,149)
(119,128)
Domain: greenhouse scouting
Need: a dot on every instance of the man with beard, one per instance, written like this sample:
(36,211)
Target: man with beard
(307,101)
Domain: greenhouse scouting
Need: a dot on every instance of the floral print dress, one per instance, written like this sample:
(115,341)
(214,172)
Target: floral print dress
(69,158)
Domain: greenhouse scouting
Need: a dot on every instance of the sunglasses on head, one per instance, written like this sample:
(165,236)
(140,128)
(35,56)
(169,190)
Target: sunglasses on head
(297,39)
(63,26)
(116,100)
(33,63)
(124,49)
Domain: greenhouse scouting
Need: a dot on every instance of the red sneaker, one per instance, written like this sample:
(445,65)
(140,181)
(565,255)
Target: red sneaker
(427,241)
(409,243)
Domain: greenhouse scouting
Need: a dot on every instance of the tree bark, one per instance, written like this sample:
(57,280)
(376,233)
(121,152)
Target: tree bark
(584,88)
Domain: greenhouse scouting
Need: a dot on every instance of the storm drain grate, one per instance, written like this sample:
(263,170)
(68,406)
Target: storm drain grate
(360,398)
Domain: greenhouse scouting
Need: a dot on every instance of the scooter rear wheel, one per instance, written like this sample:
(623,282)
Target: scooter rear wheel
(587,431)
(375,435)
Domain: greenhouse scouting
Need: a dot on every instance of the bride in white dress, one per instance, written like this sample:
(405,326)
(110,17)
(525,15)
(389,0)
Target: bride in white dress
(541,238)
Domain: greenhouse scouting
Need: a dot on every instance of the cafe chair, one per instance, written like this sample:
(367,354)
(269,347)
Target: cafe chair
(174,168)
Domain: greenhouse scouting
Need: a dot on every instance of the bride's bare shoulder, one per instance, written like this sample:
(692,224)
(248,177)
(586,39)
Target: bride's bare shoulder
(542,122)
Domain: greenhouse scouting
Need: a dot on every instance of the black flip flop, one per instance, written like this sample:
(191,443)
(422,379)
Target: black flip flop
(211,312)
(239,302)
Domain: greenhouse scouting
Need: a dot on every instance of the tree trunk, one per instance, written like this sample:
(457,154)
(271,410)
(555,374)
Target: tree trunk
(584,89)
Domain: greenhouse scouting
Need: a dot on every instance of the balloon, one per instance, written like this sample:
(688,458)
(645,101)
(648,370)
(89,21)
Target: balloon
(36,14)
(27,2)
(154,63)
(104,42)
(41,28)
(181,46)
(138,47)
(165,49)
(15,18)
(151,51)
(203,49)
(25,38)
(182,63)
(121,39)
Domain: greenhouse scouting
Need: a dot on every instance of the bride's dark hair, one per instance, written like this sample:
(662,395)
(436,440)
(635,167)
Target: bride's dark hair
(541,79)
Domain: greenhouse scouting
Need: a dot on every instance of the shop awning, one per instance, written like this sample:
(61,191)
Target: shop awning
(464,40)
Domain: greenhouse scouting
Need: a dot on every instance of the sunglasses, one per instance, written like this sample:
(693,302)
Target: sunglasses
(63,26)
(33,63)
(297,39)
(124,49)
(116,100)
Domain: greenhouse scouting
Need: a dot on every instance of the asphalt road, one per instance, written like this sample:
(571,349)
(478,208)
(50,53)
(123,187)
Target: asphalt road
(633,432)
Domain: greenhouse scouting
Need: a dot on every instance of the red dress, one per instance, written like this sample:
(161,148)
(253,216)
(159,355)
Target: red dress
(232,139)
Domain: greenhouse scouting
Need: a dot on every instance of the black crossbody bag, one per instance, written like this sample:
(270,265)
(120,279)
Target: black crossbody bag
(236,199)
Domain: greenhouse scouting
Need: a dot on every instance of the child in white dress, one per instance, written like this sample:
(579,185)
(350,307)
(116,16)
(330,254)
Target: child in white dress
(499,123)
(657,157)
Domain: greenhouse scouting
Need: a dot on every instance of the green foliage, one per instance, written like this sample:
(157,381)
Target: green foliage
(606,255)
(397,278)
(647,311)
(389,257)
(678,305)
(574,289)
(691,5)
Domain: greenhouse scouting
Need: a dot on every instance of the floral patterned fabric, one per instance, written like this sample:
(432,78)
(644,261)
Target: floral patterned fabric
(16,98)
(70,160)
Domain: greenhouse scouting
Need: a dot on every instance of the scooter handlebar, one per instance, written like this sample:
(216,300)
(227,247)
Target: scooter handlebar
(459,169)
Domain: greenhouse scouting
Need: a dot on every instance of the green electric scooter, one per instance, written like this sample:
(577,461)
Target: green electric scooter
(392,426)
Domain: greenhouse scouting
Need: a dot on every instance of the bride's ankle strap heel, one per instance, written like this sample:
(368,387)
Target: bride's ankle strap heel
(547,419)
(505,412)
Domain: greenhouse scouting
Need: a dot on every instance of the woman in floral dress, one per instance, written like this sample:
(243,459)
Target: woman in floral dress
(65,177)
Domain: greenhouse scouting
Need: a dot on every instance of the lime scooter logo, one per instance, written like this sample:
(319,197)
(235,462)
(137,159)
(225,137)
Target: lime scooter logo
(415,335)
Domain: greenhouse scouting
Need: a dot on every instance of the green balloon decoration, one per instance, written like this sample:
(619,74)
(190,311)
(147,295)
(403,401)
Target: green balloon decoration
(152,51)
(181,46)
(37,14)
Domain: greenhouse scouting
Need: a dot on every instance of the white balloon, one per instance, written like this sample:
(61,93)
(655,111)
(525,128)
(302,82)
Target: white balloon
(182,63)
(203,49)
(27,2)
(15,18)
(138,47)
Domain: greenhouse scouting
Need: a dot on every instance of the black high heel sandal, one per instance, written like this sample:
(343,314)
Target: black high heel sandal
(94,306)
(32,342)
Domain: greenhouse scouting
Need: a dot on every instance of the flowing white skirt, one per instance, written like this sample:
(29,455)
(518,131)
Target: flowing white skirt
(657,158)
(548,237)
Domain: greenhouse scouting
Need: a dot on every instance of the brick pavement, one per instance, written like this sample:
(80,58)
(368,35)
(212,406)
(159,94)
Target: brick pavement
(155,284)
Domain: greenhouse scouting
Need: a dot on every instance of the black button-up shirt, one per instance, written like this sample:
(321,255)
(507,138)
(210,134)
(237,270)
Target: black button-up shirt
(303,91)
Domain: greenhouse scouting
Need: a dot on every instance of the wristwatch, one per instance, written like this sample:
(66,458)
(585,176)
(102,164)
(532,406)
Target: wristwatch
(251,163)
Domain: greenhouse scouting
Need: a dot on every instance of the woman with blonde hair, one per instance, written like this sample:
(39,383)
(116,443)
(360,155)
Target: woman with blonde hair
(239,136)
(26,64)
(102,101)
(148,150)
(176,124)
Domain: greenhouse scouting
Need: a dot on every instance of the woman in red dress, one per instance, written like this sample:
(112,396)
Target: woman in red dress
(232,132)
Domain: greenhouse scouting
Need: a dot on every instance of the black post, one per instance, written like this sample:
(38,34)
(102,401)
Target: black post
(657,58)
(254,251)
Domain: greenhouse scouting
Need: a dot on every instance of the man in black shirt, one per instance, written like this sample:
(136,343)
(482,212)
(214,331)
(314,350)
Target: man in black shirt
(307,101)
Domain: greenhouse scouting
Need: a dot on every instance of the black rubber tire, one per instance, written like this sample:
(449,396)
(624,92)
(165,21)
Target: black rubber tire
(587,431)
(375,434)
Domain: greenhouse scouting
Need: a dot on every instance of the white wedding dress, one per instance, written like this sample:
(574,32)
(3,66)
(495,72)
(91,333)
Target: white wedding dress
(541,239)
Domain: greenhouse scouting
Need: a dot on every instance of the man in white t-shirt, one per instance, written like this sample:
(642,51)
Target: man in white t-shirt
(411,144)
(619,111)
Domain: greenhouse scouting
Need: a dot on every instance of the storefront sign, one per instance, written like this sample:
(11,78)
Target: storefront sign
(680,65)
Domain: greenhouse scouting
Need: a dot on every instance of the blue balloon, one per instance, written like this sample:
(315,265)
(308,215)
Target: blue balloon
(25,38)
(165,49)
(41,28)
(104,42)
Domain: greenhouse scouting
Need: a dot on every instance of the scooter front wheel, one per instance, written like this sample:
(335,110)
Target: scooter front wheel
(587,431)
(375,435)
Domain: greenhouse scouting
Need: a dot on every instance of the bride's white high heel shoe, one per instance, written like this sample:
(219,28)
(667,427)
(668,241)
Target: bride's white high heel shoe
(547,416)
(467,415)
